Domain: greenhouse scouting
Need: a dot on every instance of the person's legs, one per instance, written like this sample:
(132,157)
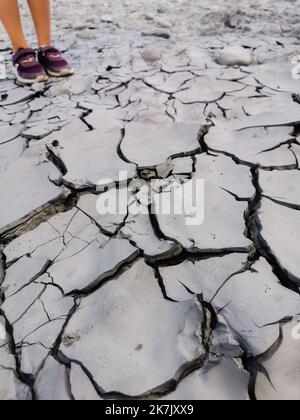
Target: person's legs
(26,67)
(29,66)
(41,14)
(10,17)
(49,57)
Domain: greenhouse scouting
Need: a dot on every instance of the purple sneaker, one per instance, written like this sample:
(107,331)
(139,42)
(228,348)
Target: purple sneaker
(53,62)
(27,68)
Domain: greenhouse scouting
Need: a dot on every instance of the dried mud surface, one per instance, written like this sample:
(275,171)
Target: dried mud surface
(142,305)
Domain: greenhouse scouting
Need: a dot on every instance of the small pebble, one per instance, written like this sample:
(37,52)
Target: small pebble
(234,56)
(151,54)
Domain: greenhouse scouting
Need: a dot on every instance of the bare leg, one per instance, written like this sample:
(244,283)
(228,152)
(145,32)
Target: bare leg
(10,17)
(41,14)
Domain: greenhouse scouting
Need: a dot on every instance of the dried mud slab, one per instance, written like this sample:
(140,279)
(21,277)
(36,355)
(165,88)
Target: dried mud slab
(101,161)
(253,303)
(223,381)
(26,187)
(91,266)
(11,388)
(52,382)
(152,145)
(112,294)
(139,230)
(280,230)
(282,384)
(207,90)
(281,186)
(279,78)
(223,172)
(215,223)
(108,318)
(204,277)
(256,146)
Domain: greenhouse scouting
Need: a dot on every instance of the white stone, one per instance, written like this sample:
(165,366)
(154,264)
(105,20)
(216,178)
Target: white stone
(234,56)
(151,54)
(163,23)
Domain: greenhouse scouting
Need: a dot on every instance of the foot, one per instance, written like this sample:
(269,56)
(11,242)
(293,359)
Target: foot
(53,62)
(27,68)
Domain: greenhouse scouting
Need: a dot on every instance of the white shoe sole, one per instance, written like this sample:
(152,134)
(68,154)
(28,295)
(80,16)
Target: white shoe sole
(63,73)
(40,79)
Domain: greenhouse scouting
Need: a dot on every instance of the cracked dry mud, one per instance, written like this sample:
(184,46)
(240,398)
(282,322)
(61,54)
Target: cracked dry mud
(140,304)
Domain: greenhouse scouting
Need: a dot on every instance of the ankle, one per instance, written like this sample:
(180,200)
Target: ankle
(44,43)
(19,47)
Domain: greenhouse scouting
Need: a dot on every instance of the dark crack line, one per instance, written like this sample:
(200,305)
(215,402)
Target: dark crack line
(24,378)
(33,279)
(282,203)
(254,230)
(114,274)
(29,307)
